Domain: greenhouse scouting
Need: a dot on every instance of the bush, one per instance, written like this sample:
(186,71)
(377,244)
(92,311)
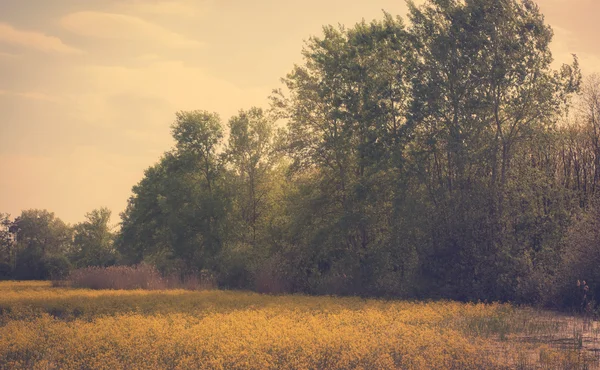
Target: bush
(29,265)
(33,265)
(55,267)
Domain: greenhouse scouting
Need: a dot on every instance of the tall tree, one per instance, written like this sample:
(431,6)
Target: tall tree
(346,111)
(177,212)
(253,176)
(485,86)
(591,119)
(250,155)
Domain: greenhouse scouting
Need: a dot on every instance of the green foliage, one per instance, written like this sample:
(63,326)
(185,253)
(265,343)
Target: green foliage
(485,93)
(93,241)
(42,231)
(34,265)
(346,135)
(434,160)
(179,209)
(7,244)
(40,235)
(197,132)
(55,267)
(415,161)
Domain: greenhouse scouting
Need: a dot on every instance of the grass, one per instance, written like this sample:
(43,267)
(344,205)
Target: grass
(141,276)
(44,327)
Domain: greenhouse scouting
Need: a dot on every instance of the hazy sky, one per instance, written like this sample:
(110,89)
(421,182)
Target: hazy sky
(88,89)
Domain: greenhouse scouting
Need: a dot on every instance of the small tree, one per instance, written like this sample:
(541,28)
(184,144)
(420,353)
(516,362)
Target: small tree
(40,234)
(93,240)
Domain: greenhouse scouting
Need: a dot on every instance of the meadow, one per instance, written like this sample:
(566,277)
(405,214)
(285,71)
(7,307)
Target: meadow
(45,327)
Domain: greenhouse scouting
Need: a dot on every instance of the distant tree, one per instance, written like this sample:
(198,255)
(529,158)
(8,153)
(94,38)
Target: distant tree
(40,235)
(7,246)
(93,240)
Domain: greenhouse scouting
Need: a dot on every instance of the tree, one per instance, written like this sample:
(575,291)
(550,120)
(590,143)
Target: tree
(422,161)
(587,162)
(198,135)
(7,246)
(41,235)
(93,240)
(251,162)
(177,213)
(251,157)
(347,132)
(485,87)
(143,223)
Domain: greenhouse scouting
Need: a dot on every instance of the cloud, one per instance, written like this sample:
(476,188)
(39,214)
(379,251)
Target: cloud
(125,27)
(180,8)
(589,63)
(34,40)
(178,85)
(32,95)
(563,47)
(149,57)
(8,55)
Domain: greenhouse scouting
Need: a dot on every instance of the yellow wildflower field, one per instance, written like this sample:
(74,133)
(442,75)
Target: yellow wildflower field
(43,327)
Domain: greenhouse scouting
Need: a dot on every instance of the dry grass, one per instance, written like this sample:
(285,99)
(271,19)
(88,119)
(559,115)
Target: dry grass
(134,277)
(51,328)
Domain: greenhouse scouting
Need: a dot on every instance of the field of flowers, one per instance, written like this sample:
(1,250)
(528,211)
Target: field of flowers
(44,327)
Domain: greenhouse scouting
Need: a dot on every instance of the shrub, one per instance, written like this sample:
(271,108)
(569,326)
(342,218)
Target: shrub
(29,265)
(55,267)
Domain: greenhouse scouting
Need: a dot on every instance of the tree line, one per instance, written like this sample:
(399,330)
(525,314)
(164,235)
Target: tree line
(37,245)
(444,157)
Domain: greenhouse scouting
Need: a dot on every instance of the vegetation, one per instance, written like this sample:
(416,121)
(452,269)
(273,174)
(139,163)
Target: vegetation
(38,245)
(443,157)
(133,277)
(45,327)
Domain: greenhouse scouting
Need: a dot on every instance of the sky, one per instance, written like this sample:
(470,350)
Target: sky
(88,89)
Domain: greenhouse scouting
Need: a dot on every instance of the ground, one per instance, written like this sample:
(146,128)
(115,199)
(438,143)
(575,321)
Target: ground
(45,327)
